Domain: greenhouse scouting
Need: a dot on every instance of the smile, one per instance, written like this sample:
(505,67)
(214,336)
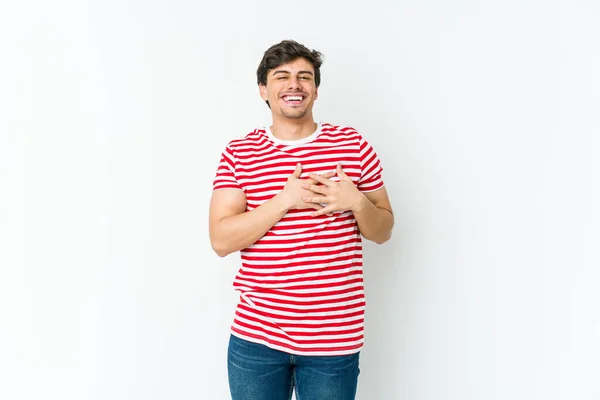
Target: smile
(293,99)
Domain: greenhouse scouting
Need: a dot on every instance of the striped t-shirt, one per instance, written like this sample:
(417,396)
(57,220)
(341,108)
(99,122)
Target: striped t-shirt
(301,284)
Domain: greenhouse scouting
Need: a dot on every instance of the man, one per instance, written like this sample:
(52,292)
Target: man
(295,198)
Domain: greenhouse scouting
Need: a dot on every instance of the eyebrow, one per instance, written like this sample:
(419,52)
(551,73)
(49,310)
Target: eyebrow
(281,71)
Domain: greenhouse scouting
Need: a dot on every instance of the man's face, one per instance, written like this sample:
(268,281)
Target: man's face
(291,89)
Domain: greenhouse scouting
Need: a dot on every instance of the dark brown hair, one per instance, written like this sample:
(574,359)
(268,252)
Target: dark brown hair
(283,53)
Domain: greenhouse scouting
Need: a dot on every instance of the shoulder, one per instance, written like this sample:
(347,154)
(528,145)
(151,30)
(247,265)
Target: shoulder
(344,133)
(339,131)
(347,134)
(329,127)
(257,136)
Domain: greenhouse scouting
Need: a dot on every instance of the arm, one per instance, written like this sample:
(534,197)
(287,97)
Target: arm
(231,228)
(374,216)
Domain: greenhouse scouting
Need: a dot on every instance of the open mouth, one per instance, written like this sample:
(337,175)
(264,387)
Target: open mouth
(293,99)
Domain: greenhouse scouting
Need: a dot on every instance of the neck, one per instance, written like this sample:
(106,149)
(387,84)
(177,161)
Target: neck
(290,129)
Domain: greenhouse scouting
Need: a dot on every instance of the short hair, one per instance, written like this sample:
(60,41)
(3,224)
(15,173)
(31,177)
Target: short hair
(284,52)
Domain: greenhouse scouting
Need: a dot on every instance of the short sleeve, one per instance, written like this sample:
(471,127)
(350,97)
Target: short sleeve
(370,166)
(225,176)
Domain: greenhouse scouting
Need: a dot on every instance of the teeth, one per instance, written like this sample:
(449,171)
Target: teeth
(290,98)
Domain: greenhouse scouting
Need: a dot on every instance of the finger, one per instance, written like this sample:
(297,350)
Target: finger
(318,208)
(297,171)
(316,188)
(321,179)
(340,172)
(315,199)
(327,175)
(324,211)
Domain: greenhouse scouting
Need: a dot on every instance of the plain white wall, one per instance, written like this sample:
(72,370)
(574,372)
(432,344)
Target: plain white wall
(485,115)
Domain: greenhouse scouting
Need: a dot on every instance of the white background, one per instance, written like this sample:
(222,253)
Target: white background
(486,116)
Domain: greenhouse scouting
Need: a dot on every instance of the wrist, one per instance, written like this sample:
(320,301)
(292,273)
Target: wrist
(281,202)
(360,203)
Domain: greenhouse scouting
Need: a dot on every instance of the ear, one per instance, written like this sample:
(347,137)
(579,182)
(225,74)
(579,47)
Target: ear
(263,91)
(316,93)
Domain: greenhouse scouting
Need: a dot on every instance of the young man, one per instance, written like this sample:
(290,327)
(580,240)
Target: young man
(295,199)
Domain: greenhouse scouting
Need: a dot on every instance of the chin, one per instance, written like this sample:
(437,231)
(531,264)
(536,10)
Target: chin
(295,116)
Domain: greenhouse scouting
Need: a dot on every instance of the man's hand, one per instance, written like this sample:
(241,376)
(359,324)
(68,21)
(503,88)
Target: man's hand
(337,196)
(294,192)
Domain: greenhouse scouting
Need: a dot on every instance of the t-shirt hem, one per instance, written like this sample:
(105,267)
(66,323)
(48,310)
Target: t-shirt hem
(316,352)
(222,188)
(372,190)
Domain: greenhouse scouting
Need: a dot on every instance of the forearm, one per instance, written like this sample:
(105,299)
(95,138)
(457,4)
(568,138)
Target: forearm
(374,223)
(236,232)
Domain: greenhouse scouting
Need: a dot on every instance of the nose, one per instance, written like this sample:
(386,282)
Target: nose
(294,83)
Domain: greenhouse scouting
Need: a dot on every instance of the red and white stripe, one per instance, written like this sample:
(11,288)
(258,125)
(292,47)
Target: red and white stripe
(301,284)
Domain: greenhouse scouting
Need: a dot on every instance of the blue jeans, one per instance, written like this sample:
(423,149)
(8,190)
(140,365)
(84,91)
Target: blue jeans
(257,372)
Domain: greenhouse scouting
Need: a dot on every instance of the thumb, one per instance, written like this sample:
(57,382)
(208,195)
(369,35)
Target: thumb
(298,170)
(341,172)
